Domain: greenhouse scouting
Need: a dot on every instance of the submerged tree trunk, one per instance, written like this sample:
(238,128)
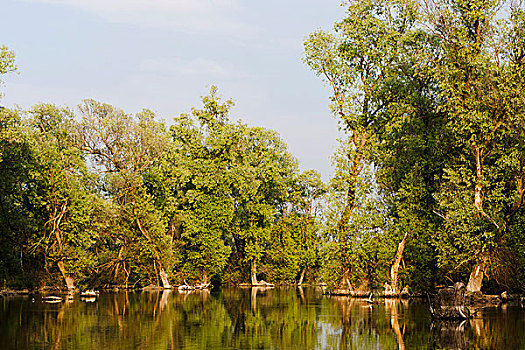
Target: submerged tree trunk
(70,282)
(253,272)
(301,278)
(164,277)
(394,270)
(476,278)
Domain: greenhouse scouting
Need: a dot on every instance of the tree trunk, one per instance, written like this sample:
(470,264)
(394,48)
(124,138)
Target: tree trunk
(70,282)
(303,272)
(253,272)
(164,277)
(355,170)
(346,280)
(162,273)
(394,270)
(476,278)
(478,194)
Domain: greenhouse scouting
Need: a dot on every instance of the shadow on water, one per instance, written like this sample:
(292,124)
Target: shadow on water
(257,318)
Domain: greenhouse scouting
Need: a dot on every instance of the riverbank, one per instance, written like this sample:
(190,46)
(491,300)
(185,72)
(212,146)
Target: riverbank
(475,300)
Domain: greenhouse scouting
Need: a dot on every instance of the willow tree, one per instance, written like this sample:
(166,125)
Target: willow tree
(294,237)
(356,62)
(481,77)
(125,149)
(62,199)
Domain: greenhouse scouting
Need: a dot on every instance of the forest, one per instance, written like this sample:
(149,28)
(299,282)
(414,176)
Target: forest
(427,188)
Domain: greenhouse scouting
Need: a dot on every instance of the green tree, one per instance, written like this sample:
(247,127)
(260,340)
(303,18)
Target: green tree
(365,252)
(481,78)
(199,184)
(17,221)
(356,62)
(294,237)
(61,200)
(125,150)
(263,173)
(409,157)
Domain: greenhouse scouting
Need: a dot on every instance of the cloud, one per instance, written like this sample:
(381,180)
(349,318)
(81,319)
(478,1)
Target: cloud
(177,66)
(195,16)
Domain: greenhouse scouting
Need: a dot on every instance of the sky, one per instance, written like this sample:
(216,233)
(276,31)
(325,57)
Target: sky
(165,54)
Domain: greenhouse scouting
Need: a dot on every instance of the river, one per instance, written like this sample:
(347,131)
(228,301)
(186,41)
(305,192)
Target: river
(233,318)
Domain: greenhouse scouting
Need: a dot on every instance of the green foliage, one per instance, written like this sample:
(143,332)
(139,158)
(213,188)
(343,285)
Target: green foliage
(7,62)
(17,212)
(480,72)
(128,153)
(62,197)
(366,245)
(360,62)
(432,97)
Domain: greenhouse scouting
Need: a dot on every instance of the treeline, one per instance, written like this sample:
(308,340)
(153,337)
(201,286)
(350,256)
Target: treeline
(104,198)
(430,177)
(428,186)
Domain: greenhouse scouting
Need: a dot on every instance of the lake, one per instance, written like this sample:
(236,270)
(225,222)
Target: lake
(252,318)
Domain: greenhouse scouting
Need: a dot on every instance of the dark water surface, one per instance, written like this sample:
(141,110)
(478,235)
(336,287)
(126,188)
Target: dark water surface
(285,318)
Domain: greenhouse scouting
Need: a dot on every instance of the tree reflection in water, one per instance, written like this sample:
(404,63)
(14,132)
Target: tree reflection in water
(449,334)
(280,318)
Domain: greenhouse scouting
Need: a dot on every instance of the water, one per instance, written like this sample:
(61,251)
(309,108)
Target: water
(285,318)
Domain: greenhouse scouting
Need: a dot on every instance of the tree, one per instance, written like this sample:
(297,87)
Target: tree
(263,173)
(480,73)
(125,149)
(199,184)
(306,206)
(409,157)
(61,179)
(356,62)
(365,250)
(17,221)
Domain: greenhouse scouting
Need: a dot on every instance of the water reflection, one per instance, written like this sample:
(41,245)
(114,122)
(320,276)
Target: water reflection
(280,318)
(449,334)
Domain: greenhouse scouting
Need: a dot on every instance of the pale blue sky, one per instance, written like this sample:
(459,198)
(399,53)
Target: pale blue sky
(163,54)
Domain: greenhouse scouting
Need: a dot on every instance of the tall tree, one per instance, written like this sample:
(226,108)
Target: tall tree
(263,173)
(480,72)
(356,62)
(62,201)
(125,149)
(199,165)
(17,222)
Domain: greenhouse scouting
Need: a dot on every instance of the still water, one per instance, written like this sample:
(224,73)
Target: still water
(281,318)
